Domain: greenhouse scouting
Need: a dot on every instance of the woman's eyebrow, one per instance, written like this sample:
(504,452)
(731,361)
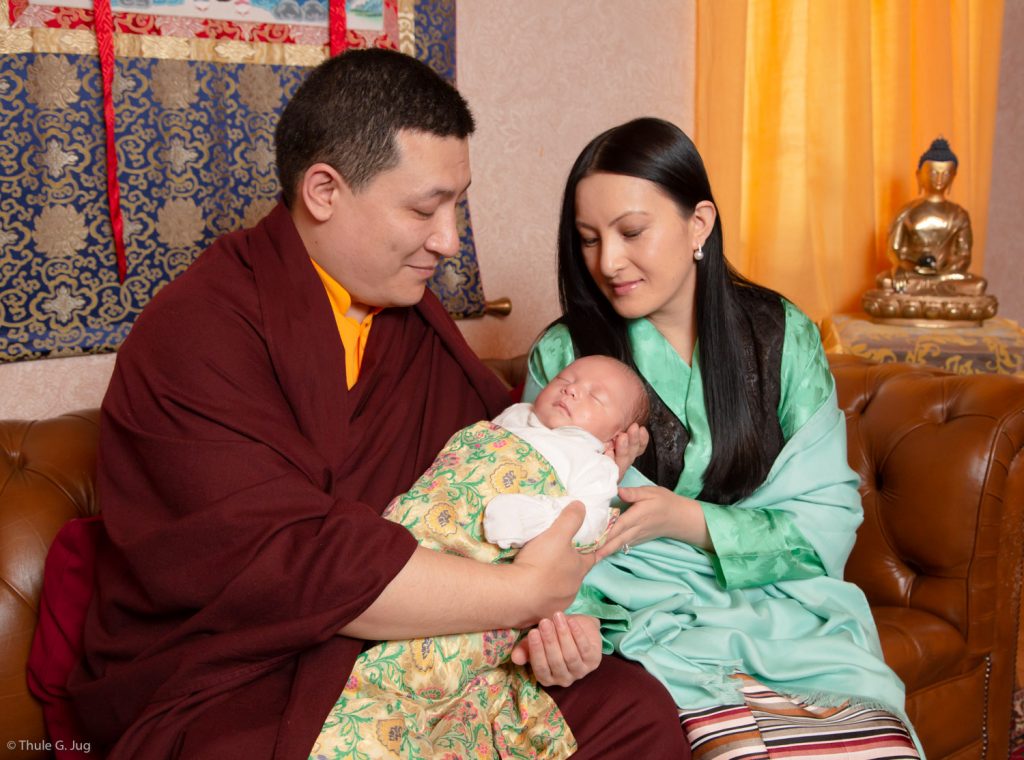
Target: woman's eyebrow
(581,223)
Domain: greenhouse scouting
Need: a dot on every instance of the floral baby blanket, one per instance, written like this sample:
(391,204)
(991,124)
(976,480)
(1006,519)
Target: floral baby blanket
(453,696)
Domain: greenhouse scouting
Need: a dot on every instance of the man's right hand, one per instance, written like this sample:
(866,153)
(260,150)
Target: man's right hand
(436,593)
(549,569)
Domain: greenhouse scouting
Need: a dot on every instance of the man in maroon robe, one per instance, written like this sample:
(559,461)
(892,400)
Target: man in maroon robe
(243,470)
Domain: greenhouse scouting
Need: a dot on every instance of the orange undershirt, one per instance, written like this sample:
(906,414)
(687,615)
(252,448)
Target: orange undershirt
(353,334)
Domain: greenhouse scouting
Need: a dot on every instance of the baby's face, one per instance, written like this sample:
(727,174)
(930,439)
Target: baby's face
(595,393)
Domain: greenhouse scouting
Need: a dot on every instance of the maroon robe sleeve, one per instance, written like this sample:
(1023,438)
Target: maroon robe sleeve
(241,485)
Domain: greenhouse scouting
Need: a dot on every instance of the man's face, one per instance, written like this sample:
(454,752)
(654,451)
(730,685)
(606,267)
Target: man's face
(385,240)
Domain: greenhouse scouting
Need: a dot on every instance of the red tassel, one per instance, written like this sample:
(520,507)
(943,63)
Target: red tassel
(105,43)
(337,24)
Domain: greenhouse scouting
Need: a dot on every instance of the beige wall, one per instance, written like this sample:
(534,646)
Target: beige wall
(543,78)
(1004,251)
(44,388)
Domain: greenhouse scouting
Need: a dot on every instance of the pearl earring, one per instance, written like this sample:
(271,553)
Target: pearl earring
(698,255)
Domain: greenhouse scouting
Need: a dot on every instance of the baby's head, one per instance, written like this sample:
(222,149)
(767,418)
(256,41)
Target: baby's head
(597,393)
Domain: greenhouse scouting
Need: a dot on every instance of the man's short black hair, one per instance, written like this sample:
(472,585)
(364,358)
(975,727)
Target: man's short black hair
(348,110)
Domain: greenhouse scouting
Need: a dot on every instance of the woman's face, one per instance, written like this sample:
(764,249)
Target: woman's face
(638,246)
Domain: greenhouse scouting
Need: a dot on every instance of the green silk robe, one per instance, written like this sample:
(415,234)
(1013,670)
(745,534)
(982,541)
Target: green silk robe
(770,600)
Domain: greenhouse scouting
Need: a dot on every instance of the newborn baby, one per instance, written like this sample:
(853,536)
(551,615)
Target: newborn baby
(571,424)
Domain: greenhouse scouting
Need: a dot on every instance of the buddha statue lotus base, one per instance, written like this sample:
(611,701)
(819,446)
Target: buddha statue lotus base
(928,310)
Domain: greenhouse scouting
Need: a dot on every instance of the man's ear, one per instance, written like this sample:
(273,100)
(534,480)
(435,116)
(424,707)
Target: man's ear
(703,221)
(321,190)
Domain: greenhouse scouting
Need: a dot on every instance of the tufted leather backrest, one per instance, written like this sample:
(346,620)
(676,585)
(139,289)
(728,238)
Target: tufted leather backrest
(47,472)
(920,438)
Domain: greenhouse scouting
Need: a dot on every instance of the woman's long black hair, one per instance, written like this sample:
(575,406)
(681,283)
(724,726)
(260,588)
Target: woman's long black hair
(658,151)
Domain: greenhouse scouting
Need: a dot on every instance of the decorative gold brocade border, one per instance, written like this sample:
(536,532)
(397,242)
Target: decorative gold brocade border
(83,42)
(406,26)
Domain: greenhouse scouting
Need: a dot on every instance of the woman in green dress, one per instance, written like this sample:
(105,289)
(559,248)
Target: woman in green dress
(724,577)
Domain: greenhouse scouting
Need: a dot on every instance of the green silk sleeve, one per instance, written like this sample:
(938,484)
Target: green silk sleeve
(755,547)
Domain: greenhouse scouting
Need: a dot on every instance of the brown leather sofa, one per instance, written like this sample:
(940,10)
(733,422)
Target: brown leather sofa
(941,459)
(939,554)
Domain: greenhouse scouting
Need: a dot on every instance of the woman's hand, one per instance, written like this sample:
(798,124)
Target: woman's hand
(656,512)
(626,446)
(562,650)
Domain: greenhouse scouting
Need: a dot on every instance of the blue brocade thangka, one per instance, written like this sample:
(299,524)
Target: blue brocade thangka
(195,157)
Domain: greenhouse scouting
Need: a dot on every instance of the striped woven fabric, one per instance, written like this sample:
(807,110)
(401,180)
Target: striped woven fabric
(769,726)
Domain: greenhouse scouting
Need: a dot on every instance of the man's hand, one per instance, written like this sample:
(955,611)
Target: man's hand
(550,569)
(626,446)
(436,593)
(561,650)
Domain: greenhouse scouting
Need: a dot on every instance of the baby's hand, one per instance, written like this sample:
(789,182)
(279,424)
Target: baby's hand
(626,446)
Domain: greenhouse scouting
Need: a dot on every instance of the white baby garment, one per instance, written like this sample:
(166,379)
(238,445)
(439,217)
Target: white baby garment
(587,474)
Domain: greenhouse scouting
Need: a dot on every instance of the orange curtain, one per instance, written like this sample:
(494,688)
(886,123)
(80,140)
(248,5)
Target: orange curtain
(811,117)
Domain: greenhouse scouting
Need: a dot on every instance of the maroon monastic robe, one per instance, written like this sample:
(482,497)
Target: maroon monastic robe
(242,486)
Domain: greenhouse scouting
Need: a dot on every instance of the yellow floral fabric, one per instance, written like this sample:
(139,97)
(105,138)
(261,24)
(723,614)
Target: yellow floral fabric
(456,696)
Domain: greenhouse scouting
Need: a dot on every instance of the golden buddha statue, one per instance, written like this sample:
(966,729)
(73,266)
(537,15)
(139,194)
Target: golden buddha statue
(930,246)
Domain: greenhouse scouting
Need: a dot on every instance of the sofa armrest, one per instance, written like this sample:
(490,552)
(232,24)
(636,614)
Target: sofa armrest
(47,470)
(941,460)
